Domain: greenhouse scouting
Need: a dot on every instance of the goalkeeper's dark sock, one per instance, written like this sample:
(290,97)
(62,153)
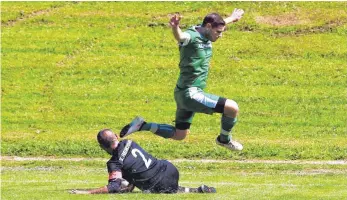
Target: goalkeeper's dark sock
(162,130)
(201,189)
(187,190)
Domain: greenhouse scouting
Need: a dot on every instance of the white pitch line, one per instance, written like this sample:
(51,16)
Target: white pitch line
(251,161)
(312,162)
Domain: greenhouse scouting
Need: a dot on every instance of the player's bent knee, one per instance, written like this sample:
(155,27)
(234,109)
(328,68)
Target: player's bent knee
(231,108)
(180,134)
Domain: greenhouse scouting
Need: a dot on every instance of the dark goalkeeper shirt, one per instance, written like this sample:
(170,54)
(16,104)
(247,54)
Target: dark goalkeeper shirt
(137,166)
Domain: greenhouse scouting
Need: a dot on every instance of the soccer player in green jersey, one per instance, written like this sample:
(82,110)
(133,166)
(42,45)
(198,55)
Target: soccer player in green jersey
(195,47)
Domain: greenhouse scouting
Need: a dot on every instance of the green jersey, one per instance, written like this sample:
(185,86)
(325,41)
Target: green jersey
(194,60)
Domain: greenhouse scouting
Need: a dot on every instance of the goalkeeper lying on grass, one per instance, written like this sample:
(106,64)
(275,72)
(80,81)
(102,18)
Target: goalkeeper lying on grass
(130,166)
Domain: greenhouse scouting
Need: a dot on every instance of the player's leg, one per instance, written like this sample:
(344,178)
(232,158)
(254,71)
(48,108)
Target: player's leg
(166,131)
(139,124)
(178,132)
(183,121)
(169,181)
(229,110)
(163,130)
(203,102)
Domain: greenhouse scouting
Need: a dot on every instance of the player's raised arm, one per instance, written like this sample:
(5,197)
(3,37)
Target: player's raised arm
(235,16)
(176,30)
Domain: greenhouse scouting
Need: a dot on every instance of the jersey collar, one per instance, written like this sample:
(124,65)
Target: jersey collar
(202,37)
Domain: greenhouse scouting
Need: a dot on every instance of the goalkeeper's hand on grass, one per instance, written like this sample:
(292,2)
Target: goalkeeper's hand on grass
(74,191)
(126,189)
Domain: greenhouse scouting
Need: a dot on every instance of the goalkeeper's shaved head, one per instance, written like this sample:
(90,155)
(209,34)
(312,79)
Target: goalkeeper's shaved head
(106,139)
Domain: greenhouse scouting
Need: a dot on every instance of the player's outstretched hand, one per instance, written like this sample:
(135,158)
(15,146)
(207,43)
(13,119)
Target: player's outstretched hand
(236,15)
(175,20)
(78,191)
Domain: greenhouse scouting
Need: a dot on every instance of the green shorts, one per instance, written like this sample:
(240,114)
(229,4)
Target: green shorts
(192,100)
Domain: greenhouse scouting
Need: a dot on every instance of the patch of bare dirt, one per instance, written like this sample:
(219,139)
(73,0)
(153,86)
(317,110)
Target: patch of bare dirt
(281,20)
(24,16)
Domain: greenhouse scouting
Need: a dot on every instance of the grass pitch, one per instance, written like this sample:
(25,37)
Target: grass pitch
(233,180)
(69,69)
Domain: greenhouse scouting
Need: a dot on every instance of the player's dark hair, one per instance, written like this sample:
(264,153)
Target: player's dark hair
(214,19)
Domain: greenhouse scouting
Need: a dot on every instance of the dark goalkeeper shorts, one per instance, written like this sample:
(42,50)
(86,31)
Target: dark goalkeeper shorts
(169,182)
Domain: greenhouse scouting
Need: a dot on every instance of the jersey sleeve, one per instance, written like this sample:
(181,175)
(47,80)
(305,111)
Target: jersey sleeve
(114,164)
(185,39)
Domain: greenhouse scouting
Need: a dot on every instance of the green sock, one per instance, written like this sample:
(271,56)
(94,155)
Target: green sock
(146,126)
(227,123)
(224,138)
(162,130)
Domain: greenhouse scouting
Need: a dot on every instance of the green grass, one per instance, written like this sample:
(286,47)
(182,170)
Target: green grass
(53,180)
(70,69)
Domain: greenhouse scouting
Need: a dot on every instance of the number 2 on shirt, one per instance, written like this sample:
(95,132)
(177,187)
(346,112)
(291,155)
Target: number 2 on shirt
(147,162)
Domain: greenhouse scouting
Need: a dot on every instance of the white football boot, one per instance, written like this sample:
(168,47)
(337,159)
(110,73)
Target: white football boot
(134,126)
(232,145)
